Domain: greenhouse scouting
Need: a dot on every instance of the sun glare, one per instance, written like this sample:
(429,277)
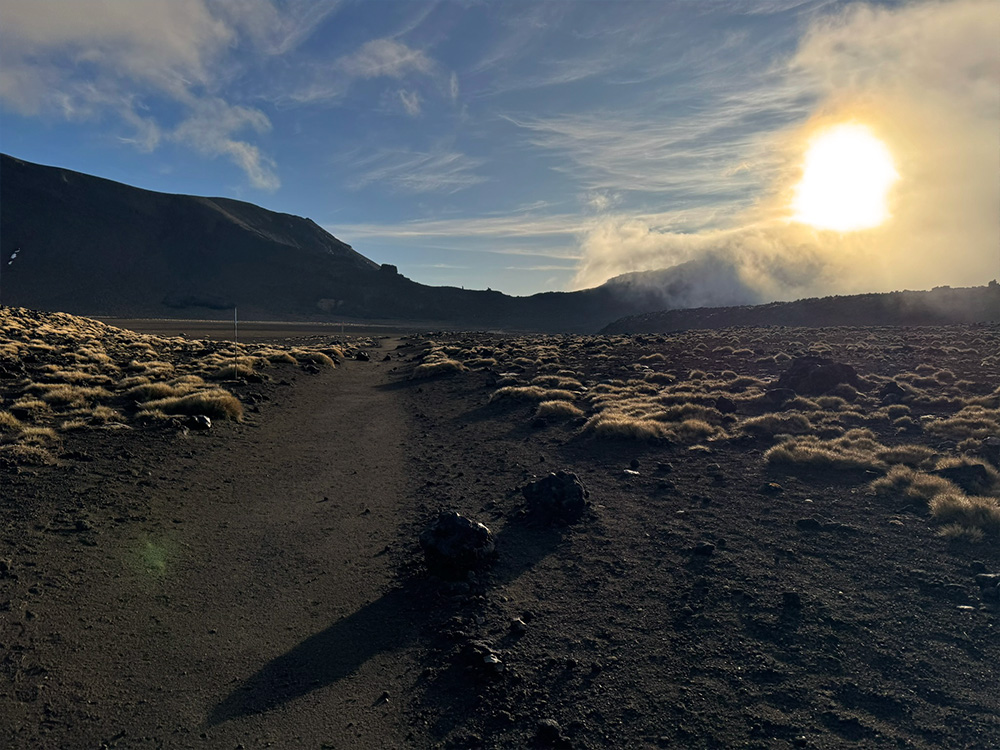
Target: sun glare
(845,180)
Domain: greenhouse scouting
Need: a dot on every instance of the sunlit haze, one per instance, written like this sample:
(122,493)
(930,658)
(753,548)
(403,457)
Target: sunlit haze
(846,177)
(532,145)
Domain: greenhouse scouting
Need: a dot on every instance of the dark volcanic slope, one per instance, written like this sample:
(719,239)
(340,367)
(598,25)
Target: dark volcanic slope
(92,246)
(940,306)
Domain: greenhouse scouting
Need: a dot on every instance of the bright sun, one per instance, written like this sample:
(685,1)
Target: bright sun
(845,178)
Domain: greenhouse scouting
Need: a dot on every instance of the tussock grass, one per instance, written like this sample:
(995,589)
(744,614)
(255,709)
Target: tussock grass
(902,482)
(9,423)
(769,425)
(558,410)
(854,451)
(973,515)
(233,372)
(319,359)
(436,367)
(621,426)
(214,403)
(530,393)
(971,422)
(25,455)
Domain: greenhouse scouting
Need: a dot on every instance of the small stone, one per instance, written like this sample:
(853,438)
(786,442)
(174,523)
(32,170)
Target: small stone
(703,549)
(664,467)
(519,626)
(362,356)
(634,463)
(198,422)
(770,488)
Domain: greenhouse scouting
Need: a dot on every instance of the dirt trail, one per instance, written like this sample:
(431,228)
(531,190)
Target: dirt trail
(242,610)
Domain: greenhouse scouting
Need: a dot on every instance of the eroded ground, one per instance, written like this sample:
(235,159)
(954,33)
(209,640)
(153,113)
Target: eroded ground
(759,567)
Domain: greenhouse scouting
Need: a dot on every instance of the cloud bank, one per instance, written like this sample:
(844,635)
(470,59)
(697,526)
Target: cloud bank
(926,79)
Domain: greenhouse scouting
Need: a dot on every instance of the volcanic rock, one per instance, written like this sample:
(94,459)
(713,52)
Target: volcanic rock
(454,545)
(814,376)
(558,497)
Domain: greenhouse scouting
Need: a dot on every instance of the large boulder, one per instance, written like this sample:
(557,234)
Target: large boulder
(455,545)
(559,497)
(814,376)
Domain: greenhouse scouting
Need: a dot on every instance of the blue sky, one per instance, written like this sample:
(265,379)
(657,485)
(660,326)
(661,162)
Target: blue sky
(522,146)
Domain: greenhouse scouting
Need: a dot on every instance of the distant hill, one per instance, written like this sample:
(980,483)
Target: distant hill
(92,246)
(940,306)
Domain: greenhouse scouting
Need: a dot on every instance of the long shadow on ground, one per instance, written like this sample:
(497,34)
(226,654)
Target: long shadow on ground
(394,621)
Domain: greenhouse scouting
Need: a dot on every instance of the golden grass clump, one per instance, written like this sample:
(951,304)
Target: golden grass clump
(769,425)
(971,422)
(308,356)
(855,450)
(281,358)
(150,392)
(215,403)
(558,410)
(557,381)
(25,455)
(9,423)
(232,372)
(974,513)
(621,426)
(902,482)
(437,367)
(530,393)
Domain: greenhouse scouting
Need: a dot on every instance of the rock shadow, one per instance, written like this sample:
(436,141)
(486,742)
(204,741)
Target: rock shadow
(398,619)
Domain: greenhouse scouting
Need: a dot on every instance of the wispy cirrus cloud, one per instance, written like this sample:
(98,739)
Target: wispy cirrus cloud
(437,171)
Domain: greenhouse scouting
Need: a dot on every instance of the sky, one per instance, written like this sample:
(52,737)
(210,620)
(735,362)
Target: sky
(536,145)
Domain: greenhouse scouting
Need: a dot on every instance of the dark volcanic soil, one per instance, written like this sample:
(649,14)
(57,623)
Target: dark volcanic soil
(261,585)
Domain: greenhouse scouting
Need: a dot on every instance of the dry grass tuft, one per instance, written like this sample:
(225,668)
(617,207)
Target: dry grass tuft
(437,367)
(620,426)
(976,513)
(9,423)
(530,393)
(903,482)
(215,403)
(25,455)
(558,410)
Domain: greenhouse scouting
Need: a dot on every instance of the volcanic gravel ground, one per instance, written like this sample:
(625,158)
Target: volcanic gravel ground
(260,584)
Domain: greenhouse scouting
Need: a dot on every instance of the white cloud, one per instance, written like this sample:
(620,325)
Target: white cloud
(210,130)
(453,86)
(410,101)
(89,59)
(385,58)
(924,77)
